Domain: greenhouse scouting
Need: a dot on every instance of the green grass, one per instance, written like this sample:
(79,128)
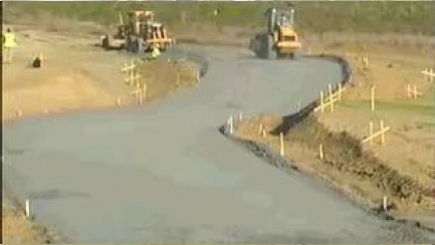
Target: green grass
(422,106)
(374,16)
(422,110)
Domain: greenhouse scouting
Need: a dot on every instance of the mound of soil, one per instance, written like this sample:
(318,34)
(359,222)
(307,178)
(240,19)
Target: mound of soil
(346,165)
(344,153)
(163,77)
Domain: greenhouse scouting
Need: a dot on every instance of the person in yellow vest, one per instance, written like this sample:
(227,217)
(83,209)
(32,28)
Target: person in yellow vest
(156,51)
(9,43)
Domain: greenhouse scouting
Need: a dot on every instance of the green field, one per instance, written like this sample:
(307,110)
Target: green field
(423,106)
(374,17)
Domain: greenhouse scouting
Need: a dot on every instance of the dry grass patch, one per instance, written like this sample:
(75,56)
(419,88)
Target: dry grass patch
(17,229)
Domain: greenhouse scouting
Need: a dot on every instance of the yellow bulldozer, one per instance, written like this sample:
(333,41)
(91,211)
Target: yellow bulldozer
(140,34)
(281,39)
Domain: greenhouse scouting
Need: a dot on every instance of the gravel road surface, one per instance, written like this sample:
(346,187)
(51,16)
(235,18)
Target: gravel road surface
(164,173)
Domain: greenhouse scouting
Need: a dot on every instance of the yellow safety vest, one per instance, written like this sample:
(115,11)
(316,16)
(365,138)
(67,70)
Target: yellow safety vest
(155,53)
(9,40)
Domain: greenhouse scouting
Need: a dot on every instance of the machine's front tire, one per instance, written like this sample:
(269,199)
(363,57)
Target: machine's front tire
(128,45)
(105,42)
(298,54)
(137,46)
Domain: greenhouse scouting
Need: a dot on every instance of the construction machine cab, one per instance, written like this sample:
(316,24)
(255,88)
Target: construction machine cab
(280,18)
(139,20)
(139,33)
(146,29)
(281,38)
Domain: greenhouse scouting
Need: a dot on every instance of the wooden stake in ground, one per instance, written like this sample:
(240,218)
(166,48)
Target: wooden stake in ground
(329,101)
(138,93)
(118,101)
(321,151)
(331,97)
(230,122)
(41,57)
(372,97)
(133,79)
(281,140)
(381,125)
(365,61)
(27,208)
(19,113)
(384,203)
(383,129)
(260,129)
(428,74)
(128,68)
(322,106)
(413,93)
(330,89)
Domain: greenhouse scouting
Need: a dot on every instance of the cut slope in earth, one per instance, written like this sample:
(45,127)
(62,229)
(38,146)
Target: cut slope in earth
(402,169)
(344,161)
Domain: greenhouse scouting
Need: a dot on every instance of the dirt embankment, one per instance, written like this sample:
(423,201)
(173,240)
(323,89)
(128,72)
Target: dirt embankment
(165,77)
(76,75)
(345,164)
(401,169)
(345,153)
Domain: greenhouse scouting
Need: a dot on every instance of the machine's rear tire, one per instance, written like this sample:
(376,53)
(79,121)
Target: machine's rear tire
(297,55)
(256,45)
(269,51)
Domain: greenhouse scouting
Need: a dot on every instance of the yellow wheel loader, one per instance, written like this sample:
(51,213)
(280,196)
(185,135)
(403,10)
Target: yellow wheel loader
(140,34)
(281,39)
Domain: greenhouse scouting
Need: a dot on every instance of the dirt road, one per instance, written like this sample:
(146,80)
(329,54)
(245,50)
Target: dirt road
(164,174)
